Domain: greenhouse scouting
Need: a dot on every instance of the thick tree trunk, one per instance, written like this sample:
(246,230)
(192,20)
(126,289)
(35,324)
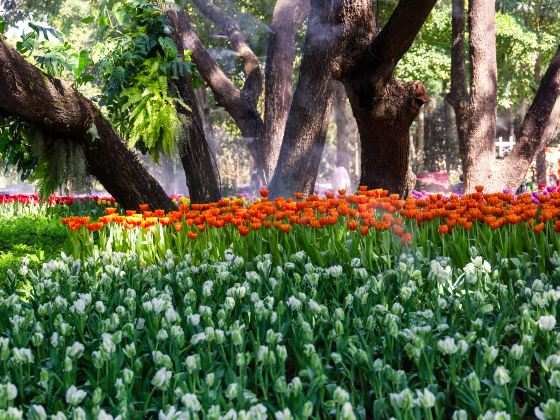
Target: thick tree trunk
(481,149)
(346,129)
(458,97)
(341,43)
(288,15)
(310,111)
(57,109)
(194,150)
(384,135)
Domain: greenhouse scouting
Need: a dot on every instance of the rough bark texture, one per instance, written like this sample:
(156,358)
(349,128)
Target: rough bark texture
(306,128)
(481,152)
(510,171)
(458,97)
(239,103)
(57,109)
(384,132)
(384,108)
(288,15)
(194,150)
(341,43)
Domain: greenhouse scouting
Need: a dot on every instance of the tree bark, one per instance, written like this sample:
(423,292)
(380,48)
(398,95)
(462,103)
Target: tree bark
(384,108)
(252,87)
(384,132)
(459,97)
(341,43)
(288,15)
(421,134)
(194,150)
(306,128)
(448,136)
(540,163)
(57,109)
(510,171)
(481,149)
(239,103)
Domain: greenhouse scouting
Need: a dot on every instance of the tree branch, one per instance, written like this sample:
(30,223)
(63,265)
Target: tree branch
(251,65)
(533,129)
(59,110)
(396,37)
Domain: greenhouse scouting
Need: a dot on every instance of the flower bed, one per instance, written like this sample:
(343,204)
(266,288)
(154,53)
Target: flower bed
(349,306)
(414,337)
(333,229)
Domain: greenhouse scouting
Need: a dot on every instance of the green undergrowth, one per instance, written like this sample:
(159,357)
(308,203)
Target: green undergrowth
(40,239)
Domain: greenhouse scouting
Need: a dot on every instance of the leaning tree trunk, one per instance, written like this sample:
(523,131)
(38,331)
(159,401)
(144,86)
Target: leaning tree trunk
(286,18)
(194,150)
(306,128)
(57,109)
(536,130)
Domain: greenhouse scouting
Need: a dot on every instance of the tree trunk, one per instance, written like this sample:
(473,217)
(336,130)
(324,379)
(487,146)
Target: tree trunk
(384,135)
(481,149)
(239,103)
(341,43)
(310,111)
(194,150)
(288,15)
(448,136)
(541,166)
(536,130)
(458,97)
(57,109)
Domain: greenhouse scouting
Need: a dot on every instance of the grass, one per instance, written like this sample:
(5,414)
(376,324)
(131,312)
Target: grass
(38,238)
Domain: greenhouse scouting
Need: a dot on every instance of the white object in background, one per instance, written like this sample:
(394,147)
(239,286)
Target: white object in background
(340,179)
(504,146)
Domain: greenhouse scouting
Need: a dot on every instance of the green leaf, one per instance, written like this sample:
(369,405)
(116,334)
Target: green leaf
(87,20)
(169,47)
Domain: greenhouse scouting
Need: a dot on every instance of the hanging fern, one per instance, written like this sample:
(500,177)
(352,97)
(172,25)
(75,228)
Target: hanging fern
(152,117)
(55,164)
(61,164)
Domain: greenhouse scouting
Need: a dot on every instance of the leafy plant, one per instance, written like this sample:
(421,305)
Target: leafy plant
(140,61)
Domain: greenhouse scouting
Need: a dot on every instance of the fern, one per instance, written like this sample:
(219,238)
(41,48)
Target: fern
(152,116)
